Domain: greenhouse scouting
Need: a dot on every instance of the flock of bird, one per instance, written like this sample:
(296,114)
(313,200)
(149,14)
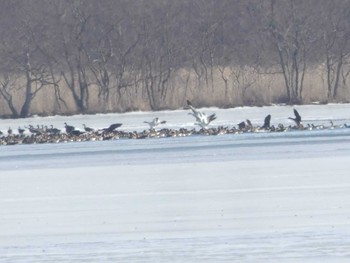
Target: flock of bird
(44,134)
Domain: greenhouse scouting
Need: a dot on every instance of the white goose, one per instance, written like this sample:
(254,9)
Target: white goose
(201,118)
(155,122)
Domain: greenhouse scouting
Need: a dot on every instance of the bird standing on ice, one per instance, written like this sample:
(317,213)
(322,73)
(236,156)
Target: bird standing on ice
(69,128)
(88,129)
(201,118)
(155,122)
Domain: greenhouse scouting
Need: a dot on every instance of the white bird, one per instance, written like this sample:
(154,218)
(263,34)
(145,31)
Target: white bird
(201,118)
(155,122)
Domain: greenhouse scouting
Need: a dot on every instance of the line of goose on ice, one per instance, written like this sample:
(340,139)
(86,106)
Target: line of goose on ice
(53,135)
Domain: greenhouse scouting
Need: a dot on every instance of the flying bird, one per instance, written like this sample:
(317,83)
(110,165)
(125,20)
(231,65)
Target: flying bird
(267,121)
(155,122)
(112,127)
(246,126)
(250,126)
(201,118)
(297,118)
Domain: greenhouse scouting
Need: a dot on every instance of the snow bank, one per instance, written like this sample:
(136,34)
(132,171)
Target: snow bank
(232,198)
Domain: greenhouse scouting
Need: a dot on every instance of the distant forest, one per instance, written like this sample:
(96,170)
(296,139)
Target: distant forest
(89,56)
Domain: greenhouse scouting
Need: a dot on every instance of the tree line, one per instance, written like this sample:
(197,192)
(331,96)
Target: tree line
(63,56)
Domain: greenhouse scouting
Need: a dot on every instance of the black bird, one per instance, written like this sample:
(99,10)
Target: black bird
(88,129)
(21,131)
(33,130)
(69,129)
(241,125)
(189,103)
(297,118)
(267,121)
(53,130)
(112,127)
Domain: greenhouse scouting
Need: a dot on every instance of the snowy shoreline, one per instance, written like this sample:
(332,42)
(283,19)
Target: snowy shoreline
(133,121)
(231,198)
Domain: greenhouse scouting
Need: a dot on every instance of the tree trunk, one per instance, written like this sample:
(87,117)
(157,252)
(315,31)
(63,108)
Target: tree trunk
(28,89)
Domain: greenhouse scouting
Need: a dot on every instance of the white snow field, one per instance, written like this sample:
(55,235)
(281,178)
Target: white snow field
(262,197)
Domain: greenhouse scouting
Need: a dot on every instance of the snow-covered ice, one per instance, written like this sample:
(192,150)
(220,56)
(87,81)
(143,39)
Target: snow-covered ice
(262,197)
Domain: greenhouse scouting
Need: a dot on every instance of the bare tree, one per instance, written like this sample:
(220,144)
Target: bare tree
(113,65)
(7,86)
(336,39)
(116,54)
(160,52)
(25,57)
(292,36)
(72,27)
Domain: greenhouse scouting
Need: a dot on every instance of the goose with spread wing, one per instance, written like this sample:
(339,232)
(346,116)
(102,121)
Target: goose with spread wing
(201,118)
(112,127)
(297,118)
(267,121)
(155,122)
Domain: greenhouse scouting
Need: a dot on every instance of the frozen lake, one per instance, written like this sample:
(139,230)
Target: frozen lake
(262,197)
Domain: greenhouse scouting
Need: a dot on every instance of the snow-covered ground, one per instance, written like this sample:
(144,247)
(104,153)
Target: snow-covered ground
(262,197)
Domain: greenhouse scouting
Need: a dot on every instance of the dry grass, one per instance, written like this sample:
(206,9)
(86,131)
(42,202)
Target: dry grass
(225,87)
